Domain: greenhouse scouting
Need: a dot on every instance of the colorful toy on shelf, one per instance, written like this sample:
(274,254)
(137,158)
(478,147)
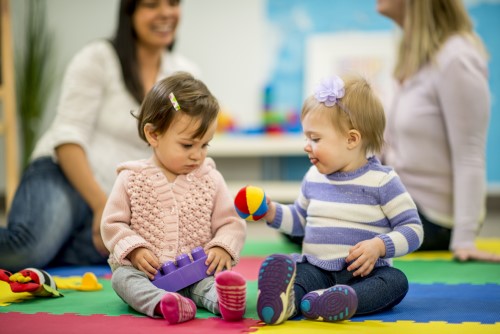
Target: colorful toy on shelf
(225,123)
(251,203)
(184,272)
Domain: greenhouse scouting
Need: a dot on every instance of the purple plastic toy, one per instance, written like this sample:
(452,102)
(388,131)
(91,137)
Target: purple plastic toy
(172,277)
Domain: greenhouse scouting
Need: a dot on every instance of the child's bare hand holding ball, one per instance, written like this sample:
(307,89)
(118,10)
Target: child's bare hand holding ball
(271,210)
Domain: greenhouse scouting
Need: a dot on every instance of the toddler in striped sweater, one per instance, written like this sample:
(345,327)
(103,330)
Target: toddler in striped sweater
(353,212)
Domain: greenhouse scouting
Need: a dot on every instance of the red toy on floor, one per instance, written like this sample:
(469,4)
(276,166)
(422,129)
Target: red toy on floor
(35,281)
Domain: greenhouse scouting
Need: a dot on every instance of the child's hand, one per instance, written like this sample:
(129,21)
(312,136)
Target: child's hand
(364,255)
(144,260)
(217,259)
(271,210)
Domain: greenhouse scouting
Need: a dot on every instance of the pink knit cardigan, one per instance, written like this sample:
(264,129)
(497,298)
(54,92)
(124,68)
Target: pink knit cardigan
(145,210)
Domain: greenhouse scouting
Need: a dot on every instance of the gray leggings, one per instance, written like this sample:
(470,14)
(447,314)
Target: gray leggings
(135,289)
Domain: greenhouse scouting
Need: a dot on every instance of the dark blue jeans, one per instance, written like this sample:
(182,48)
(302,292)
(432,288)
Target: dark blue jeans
(49,223)
(382,289)
(435,237)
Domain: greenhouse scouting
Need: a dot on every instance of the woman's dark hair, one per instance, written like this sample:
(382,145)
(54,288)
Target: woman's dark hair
(125,46)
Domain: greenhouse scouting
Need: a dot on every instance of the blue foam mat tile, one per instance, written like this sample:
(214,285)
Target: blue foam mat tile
(99,271)
(450,303)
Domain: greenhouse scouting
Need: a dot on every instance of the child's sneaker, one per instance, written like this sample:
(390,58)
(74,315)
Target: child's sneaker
(176,308)
(275,297)
(334,304)
(232,293)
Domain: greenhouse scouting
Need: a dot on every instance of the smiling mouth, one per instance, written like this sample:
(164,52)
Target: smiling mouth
(163,28)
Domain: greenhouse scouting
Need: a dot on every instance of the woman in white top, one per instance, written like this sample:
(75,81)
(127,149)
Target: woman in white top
(56,212)
(438,121)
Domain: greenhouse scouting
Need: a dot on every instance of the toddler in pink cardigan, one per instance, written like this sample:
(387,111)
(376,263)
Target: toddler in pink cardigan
(171,203)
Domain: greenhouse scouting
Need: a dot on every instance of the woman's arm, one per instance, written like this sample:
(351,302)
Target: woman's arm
(76,168)
(465,101)
(74,126)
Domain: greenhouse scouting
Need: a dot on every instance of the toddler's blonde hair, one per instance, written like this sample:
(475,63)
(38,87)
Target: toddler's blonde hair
(360,109)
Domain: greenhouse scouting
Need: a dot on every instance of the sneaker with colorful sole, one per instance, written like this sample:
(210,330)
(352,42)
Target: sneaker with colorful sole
(334,304)
(275,297)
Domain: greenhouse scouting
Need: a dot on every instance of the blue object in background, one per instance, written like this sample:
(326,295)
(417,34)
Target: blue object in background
(295,20)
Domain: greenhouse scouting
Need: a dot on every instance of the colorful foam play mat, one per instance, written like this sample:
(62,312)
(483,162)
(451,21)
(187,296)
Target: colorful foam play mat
(445,296)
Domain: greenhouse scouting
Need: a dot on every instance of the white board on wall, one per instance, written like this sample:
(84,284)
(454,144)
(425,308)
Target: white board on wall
(371,54)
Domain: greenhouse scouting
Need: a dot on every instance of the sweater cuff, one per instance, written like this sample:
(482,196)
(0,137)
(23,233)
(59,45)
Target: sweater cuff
(463,241)
(278,218)
(390,249)
(125,246)
(231,244)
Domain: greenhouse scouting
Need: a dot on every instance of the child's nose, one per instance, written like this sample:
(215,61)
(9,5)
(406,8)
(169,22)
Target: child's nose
(196,155)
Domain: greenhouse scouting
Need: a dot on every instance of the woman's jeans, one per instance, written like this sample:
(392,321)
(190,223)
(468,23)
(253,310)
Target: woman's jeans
(382,289)
(49,223)
(435,237)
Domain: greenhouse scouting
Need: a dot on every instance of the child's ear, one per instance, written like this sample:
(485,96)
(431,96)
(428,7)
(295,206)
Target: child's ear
(353,139)
(151,134)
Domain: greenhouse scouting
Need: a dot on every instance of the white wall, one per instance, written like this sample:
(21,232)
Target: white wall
(227,38)
(230,41)
(229,48)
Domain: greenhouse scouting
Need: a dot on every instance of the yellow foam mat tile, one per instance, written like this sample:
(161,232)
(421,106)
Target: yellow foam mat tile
(486,244)
(490,244)
(378,327)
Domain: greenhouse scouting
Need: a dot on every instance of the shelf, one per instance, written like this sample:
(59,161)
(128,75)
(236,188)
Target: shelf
(251,159)
(279,191)
(228,145)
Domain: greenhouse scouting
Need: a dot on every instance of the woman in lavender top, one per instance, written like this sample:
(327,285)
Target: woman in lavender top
(353,212)
(437,123)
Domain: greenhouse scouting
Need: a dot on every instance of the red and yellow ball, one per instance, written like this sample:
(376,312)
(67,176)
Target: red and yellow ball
(250,203)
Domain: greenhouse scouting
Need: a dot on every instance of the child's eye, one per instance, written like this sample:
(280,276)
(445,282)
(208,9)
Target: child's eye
(206,145)
(187,145)
(314,140)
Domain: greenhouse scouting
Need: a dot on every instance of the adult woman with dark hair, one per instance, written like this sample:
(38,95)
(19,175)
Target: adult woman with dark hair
(56,212)
(438,121)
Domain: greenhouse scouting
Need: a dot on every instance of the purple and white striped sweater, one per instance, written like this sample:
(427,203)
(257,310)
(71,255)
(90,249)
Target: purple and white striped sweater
(336,211)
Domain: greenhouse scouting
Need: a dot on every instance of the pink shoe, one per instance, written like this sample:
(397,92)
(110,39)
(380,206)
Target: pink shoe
(231,291)
(177,309)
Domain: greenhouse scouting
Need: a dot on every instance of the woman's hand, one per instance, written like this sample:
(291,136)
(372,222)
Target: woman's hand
(364,255)
(144,260)
(218,259)
(474,254)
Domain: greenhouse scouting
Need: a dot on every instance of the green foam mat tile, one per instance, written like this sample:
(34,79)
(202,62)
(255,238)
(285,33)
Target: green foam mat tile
(450,272)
